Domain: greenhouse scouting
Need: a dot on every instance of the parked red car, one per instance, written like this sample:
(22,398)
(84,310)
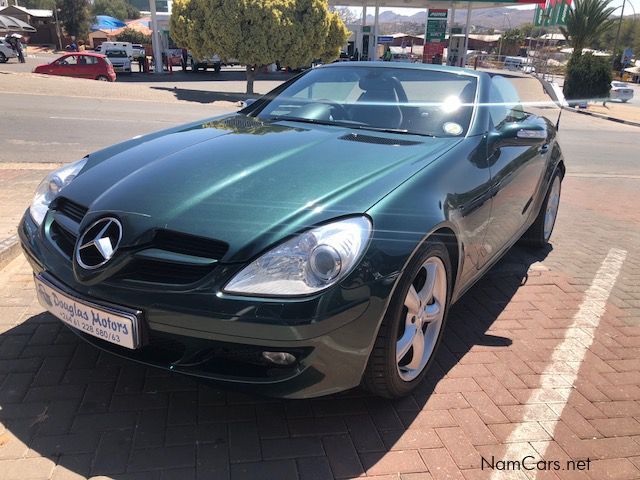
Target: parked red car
(89,65)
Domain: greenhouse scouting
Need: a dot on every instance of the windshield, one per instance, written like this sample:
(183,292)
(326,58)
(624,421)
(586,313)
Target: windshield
(404,100)
(116,53)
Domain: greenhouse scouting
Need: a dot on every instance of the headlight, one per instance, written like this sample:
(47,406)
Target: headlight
(51,186)
(307,263)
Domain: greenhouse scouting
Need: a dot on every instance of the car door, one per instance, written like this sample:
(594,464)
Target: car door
(86,66)
(65,66)
(516,161)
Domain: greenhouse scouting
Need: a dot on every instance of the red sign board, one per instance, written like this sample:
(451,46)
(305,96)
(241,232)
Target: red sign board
(430,50)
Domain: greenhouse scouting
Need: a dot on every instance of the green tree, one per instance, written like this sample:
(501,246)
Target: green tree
(335,40)
(75,16)
(511,41)
(44,4)
(527,29)
(119,9)
(629,36)
(258,32)
(133,36)
(586,21)
(587,77)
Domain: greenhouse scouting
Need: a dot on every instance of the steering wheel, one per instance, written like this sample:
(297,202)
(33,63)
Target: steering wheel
(337,106)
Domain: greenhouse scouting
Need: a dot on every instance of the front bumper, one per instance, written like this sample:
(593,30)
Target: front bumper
(221,338)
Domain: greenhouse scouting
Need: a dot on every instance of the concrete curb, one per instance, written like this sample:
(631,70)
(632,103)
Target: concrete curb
(9,249)
(604,117)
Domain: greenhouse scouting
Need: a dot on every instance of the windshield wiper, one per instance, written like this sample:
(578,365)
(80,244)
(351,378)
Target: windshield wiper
(349,124)
(302,120)
(391,130)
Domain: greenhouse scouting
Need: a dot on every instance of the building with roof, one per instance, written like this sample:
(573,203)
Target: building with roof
(41,20)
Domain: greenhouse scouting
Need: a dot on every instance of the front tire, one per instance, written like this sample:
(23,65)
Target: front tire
(540,232)
(102,78)
(3,58)
(413,324)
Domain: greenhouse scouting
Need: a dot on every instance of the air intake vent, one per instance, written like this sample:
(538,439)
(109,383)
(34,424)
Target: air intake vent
(63,239)
(71,209)
(189,244)
(150,271)
(355,137)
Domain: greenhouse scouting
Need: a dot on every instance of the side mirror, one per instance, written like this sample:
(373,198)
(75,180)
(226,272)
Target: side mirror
(527,132)
(248,102)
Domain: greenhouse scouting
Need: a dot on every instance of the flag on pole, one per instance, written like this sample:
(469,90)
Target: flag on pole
(548,13)
(538,18)
(563,10)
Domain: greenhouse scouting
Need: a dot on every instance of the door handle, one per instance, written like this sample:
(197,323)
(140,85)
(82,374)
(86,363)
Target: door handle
(544,148)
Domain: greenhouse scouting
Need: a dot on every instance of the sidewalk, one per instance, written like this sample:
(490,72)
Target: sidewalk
(18,181)
(623,111)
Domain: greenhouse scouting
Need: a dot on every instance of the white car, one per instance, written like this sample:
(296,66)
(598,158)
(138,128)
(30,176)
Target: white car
(119,59)
(126,46)
(6,52)
(138,50)
(621,91)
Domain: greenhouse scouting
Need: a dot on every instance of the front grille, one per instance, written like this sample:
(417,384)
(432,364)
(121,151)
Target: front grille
(356,137)
(63,239)
(155,271)
(147,270)
(71,209)
(186,244)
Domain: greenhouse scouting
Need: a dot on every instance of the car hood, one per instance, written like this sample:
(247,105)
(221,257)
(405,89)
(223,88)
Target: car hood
(246,182)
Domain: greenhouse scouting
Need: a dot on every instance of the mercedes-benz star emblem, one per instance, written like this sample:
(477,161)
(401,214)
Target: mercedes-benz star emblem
(98,243)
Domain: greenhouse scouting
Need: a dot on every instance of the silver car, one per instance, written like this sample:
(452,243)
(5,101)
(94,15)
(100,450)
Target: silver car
(621,91)
(6,52)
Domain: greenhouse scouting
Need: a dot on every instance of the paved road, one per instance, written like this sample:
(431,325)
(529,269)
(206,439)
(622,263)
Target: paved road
(231,79)
(594,145)
(62,129)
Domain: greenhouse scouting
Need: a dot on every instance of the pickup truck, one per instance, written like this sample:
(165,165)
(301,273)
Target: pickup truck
(204,63)
(213,61)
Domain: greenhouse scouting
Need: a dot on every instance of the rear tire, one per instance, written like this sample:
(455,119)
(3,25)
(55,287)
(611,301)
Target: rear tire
(102,78)
(414,321)
(3,58)
(540,232)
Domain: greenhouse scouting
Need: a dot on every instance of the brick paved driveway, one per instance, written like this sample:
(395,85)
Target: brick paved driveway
(516,376)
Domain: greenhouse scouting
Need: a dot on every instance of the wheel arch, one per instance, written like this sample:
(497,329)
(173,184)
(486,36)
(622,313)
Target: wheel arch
(448,237)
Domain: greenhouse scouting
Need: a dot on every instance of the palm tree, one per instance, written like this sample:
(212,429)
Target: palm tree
(585,22)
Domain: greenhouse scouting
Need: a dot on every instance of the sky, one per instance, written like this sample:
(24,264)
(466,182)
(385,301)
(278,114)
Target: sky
(615,3)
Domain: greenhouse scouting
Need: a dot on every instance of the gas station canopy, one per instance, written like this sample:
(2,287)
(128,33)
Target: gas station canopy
(431,4)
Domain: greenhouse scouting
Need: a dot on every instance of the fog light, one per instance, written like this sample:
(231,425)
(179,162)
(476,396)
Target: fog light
(279,358)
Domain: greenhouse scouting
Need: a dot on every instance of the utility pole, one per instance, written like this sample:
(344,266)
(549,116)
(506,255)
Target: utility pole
(155,40)
(615,44)
(55,16)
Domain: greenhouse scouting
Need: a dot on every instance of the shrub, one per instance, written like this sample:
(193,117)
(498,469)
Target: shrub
(133,36)
(587,77)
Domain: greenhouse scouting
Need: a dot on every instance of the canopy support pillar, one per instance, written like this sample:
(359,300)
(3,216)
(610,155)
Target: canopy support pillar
(463,57)
(155,40)
(375,32)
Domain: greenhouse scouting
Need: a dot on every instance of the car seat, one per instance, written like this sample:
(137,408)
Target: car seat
(377,106)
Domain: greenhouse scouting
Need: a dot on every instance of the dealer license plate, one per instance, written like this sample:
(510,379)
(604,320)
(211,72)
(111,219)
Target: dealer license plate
(110,325)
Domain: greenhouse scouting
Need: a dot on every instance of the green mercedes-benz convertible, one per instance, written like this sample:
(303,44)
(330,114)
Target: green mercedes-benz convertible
(311,242)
